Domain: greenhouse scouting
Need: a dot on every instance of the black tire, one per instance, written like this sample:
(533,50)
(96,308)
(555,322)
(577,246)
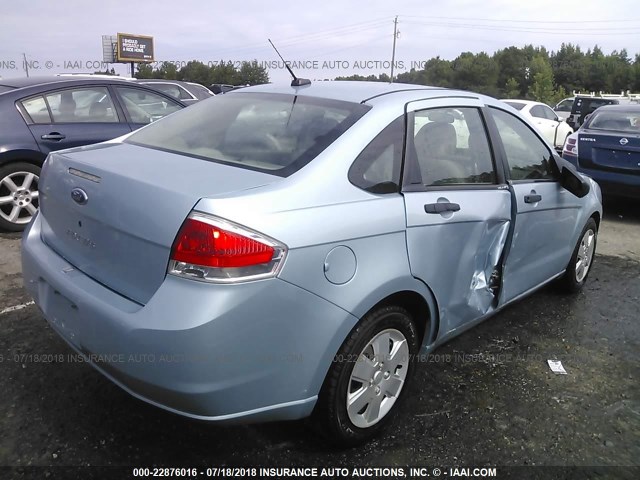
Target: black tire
(5,209)
(572,281)
(330,416)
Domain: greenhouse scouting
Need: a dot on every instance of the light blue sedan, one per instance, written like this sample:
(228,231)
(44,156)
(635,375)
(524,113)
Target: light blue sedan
(287,251)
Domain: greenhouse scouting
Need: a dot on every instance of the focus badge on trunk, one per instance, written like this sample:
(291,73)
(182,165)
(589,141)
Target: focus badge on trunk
(79,196)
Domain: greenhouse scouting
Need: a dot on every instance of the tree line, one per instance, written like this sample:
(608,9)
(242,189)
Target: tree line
(224,72)
(528,72)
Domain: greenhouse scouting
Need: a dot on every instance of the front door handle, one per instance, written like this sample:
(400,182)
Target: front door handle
(53,136)
(441,207)
(533,198)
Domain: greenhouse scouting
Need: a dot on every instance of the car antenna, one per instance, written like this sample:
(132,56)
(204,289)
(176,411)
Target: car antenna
(296,82)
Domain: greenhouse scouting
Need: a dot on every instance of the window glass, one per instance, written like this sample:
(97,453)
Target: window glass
(451,146)
(172,89)
(527,155)
(377,168)
(620,121)
(277,133)
(537,111)
(565,105)
(37,110)
(548,113)
(516,105)
(82,105)
(144,106)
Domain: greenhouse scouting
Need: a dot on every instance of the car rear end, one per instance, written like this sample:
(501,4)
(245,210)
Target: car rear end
(181,306)
(607,149)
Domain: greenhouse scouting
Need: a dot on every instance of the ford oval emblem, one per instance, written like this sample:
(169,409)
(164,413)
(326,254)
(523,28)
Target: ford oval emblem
(623,141)
(79,196)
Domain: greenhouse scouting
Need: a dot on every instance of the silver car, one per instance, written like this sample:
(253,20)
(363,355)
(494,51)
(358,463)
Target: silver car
(281,252)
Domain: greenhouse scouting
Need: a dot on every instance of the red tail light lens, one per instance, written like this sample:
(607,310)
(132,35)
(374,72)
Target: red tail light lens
(213,249)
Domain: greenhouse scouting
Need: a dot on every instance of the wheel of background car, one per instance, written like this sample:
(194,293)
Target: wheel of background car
(582,259)
(367,377)
(18,195)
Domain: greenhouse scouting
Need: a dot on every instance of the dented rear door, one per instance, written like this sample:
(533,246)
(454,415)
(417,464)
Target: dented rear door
(458,209)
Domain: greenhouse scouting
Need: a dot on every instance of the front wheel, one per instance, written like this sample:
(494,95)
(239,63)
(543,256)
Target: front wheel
(18,195)
(372,369)
(582,259)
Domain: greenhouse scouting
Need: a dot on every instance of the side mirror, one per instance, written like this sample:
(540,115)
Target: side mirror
(569,177)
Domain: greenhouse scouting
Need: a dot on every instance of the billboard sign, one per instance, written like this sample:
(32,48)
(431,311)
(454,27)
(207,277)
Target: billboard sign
(134,48)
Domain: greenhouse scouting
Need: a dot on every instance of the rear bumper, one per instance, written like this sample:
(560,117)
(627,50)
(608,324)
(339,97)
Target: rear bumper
(611,183)
(257,351)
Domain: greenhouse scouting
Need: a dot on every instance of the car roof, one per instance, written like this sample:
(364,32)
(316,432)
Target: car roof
(349,91)
(626,108)
(21,82)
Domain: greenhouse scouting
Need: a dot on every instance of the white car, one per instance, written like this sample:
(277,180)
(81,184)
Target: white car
(552,128)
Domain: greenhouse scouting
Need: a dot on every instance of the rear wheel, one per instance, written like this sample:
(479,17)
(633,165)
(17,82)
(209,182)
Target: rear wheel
(582,259)
(372,369)
(18,195)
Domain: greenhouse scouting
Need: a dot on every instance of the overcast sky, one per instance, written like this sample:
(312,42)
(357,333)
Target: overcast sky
(65,36)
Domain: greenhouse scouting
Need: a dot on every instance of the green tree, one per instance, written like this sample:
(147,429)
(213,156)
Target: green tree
(167,70)
(195,71)
(252,73)
(542,88)
(144,70)
(512,88)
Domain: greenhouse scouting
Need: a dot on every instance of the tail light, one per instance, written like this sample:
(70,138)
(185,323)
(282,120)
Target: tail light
(211,249)
(571,145)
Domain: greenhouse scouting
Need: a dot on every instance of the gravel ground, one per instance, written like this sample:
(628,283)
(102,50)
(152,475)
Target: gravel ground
(485,398)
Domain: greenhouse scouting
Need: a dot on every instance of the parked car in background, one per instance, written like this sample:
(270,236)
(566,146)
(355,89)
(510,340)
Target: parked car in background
(39,115)
(607,148)
(187,92)
(586,105)
(284,252)
(553,129)
(563,108)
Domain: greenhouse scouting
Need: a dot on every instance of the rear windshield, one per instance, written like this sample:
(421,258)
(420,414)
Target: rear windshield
(516,105)
(618,121)
(273,133)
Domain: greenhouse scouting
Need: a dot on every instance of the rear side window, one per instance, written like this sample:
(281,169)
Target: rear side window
(377,168)
(81,105)
(527,155)
(275,133)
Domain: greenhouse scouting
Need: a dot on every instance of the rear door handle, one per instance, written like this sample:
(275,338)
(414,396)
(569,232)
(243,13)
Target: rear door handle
(532,198)
(53,136)
(441,207)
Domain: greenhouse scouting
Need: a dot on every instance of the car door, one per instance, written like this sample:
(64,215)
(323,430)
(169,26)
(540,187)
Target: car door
(73,117)
(458,208)
(142,106)
(546,126)
(546,213)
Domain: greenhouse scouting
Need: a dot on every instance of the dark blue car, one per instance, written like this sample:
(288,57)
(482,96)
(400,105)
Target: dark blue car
(607,148)
(42,114)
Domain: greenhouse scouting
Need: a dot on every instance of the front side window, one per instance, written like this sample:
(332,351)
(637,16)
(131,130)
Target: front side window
(451,147)
(527,156)
(275,133)
(144,106)
(565,105)
(548,113)
(377,168)
(537,111)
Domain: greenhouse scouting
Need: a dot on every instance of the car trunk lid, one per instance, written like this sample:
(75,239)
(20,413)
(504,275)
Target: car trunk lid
(615,152)
(113,210)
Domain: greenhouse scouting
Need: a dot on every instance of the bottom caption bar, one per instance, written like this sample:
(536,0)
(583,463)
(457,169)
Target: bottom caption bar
(358,472)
